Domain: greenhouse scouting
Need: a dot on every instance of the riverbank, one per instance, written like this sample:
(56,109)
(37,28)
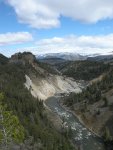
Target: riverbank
(78,117)
(57,123)
(54,119)
(81,136)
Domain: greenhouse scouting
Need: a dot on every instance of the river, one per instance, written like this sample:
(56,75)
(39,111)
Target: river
(80,134)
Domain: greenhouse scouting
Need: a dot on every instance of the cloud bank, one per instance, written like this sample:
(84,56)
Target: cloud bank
(78,44)
(102,44)
(47,13)
(15,38)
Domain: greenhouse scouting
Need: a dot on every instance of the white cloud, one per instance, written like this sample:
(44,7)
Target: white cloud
(15,38)
(79,44)
(74,44)
(46,13)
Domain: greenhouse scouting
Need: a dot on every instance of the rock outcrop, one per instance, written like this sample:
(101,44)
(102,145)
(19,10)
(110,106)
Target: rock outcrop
(22,58)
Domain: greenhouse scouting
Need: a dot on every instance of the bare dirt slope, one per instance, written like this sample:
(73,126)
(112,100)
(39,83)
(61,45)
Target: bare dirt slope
(51,85)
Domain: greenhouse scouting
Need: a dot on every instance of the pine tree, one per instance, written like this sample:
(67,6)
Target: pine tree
(10,127)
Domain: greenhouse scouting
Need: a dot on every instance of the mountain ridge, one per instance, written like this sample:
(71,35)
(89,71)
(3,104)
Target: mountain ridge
(76,56)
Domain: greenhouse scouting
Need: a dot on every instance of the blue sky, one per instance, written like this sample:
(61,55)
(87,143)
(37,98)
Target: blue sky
(44,26)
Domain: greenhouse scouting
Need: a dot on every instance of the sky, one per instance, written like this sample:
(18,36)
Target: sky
(52,26)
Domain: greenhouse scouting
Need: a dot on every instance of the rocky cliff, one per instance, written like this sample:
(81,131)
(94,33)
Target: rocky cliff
(39,79)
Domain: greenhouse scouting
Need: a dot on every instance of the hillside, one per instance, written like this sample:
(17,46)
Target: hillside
(39,132)
(41,79)
(3,59)
(52,61)
(94,105)
(83,70)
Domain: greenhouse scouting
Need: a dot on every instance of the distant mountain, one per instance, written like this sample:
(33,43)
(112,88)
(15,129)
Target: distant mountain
(52,61)
(64,56)
(101,57)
